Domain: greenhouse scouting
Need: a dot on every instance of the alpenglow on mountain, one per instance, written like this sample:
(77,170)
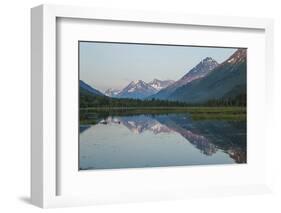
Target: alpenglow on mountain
(139,89)
(203,68)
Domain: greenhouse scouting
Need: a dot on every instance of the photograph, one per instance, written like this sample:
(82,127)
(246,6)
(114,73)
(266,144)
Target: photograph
(161,105)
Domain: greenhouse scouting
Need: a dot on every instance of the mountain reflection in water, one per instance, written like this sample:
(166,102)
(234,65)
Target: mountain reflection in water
(208,136)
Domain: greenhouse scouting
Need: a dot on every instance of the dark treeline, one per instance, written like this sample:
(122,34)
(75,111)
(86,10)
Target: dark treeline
(239,100)
(103,101)
(88,100)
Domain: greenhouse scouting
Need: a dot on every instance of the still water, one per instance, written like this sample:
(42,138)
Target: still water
(160,140)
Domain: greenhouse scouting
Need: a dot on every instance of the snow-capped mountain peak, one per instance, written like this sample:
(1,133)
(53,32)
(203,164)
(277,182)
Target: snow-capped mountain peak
(205,66)
(158,84)
(137,89)
(111,92)
(200,70)
(136,81)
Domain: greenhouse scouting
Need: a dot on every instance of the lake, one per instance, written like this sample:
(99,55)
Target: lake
(157,140)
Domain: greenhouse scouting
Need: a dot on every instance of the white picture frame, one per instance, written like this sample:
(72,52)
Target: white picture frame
(44,154)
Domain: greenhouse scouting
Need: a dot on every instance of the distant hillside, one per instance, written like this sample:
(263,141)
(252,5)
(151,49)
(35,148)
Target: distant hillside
(85,88)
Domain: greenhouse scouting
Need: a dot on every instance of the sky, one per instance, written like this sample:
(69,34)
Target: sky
(115,65)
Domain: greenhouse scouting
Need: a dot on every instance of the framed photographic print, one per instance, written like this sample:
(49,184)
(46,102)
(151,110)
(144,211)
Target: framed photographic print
(132,106)
(162,115)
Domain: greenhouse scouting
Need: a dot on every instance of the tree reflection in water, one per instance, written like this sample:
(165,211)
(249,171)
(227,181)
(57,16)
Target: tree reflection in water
(208,136)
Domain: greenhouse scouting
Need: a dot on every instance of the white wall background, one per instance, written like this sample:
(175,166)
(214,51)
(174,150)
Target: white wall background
(15,104)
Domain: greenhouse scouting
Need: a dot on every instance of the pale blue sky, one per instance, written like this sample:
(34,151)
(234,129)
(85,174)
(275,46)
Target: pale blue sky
(114,65)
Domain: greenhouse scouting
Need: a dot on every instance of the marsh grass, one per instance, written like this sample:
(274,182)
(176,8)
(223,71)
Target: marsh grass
(219,116)
(95,114)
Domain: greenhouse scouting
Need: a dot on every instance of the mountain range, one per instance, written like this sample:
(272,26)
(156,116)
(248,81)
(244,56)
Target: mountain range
(139,89)
(208,80)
